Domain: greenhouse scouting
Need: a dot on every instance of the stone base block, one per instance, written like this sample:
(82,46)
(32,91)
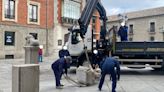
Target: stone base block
(85,76)
(25,78)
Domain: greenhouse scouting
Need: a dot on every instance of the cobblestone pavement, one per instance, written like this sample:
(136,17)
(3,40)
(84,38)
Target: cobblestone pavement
(132,80)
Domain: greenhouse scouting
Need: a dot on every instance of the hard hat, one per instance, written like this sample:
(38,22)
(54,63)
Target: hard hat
(65,47)
(41,46)
(95,51)
(123,24)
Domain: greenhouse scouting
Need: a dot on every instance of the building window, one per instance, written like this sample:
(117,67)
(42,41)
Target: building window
(9,56)
(10,9)
(130,39)
(94,27)
(131,29)
(71,9)
(152,26)
(152,38)
(66,37)
(33,13)
(163,35)
(59,42)
(93,19)
(9,38)
(35,35)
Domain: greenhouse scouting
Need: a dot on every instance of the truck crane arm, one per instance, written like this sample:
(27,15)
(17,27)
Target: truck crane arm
(86,15)
(103,17)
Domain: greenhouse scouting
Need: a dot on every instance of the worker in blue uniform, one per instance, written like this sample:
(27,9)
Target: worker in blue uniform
(97,57)
(123,32)
(58,66)
(110,66)
(64,52)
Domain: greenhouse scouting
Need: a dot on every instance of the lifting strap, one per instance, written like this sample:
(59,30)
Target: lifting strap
(87,56)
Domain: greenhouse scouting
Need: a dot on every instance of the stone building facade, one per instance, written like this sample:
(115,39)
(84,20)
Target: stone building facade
(18,18)
(67,13)
(144,25)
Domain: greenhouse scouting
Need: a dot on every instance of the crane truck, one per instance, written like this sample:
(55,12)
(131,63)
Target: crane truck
(81,35)
(131,54)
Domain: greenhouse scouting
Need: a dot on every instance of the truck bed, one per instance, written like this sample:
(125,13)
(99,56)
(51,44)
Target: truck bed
(139,48)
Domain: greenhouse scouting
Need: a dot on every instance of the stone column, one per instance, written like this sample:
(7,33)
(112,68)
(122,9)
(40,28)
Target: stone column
(31,54)
(25,78)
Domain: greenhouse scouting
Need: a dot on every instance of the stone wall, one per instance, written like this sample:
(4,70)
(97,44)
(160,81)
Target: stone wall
(20,33)
(141,28)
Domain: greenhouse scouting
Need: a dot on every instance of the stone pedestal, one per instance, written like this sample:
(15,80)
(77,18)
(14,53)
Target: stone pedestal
(25,78)
(31,54)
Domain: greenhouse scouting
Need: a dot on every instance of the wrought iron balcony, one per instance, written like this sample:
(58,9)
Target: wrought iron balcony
(69,21)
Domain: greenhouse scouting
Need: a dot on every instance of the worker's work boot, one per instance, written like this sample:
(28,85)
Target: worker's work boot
(99,89)
(59,87)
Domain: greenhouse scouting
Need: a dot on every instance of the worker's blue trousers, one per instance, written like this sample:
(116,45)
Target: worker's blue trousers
(114,80)
(57,77)
(124,39)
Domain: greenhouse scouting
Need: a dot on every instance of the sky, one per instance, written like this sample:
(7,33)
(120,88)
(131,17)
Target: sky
(114,7)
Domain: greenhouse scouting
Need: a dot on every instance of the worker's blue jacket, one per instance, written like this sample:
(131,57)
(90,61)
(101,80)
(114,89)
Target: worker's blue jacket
(59,65)
(97,58)
(109,66)
(123,33)
(63,53)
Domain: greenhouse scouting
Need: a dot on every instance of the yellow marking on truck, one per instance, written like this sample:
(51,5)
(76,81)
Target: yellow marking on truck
(155,49)
(133,50)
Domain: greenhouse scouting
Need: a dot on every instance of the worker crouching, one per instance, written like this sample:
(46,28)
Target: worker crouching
(58,66)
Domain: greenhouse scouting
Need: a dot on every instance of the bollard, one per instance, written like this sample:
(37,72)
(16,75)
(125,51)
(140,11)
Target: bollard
(31,50)
(31,54)
(25,78)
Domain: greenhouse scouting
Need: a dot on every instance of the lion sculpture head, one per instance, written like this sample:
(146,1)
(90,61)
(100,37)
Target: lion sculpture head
(30,41)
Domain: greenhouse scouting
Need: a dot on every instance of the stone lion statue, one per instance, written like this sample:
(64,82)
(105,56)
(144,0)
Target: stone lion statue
(30,41)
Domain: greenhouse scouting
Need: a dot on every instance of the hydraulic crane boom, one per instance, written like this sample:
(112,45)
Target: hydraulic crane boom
(86,16)
(103,17)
